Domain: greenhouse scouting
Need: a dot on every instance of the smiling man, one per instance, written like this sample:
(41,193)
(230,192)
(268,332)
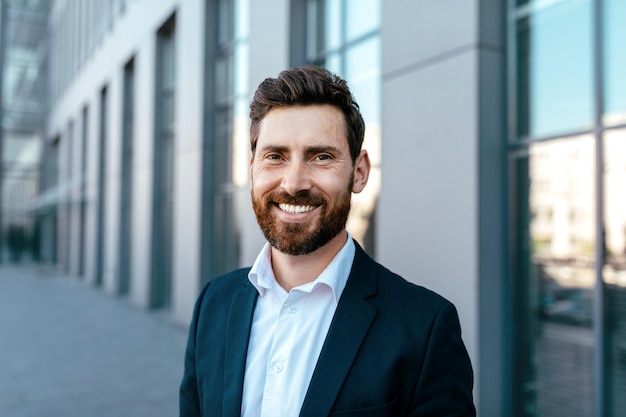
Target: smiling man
(316,327)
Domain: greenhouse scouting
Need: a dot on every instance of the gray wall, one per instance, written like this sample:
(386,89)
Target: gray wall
(441,211)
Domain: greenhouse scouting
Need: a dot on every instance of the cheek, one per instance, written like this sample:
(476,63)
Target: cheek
(336,187)
(259,179)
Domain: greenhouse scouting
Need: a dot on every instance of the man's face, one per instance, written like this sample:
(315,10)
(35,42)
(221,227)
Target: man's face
(302,177)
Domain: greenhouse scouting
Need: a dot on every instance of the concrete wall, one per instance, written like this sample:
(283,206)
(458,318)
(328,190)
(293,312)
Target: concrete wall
(427,225)
(429,181)
(441,220)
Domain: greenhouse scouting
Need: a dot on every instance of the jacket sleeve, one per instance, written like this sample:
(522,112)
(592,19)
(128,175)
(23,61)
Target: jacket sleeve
(446,382)
(189,400)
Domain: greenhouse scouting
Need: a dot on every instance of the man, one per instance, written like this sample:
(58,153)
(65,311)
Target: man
(316,327)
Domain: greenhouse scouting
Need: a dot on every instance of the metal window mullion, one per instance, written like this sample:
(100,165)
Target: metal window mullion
(600,380)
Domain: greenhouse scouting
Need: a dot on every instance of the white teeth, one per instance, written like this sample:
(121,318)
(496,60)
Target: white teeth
(295,209)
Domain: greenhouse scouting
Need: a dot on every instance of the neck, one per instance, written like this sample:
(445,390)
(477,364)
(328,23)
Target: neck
(291,271)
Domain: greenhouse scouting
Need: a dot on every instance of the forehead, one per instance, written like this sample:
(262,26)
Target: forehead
(306,125)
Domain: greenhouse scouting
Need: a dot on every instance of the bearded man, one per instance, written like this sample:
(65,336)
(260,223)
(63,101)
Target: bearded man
(316,327)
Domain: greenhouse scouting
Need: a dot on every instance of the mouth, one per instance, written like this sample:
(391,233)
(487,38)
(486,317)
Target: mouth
(294,209)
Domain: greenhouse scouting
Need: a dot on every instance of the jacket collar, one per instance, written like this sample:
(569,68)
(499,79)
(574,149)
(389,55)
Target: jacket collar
(349,327)
(236,348)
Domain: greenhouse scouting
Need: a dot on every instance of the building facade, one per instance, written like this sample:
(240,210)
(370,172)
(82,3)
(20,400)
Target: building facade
(496,136)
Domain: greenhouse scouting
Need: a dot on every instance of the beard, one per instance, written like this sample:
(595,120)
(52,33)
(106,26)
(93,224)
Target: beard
(301,238)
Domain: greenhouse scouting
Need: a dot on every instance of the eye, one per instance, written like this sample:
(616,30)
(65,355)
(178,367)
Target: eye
(273,156)
(323,157)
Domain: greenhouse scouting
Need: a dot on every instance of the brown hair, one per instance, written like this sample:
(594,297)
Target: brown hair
(306,86)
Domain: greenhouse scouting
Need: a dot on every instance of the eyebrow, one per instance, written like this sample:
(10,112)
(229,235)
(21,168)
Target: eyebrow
(274,148)
(322,149)
(308,149)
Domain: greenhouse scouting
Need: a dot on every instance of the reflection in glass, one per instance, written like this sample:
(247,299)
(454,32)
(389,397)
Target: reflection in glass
(554,67)
(614,269)
(553,288)
(615,61)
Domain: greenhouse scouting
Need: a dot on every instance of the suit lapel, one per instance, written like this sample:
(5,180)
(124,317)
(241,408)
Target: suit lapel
(349,327)
(237,338)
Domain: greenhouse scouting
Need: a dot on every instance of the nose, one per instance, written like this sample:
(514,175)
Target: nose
(296,178)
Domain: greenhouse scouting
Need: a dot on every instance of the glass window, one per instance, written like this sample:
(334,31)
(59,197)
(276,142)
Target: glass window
(126,179)
(555,276)
(101,207)
(362,17)
(554,65)
(163,174)
(615,61)
(228,151)
(614,269)
(226,25)
(83,191)
(362,70)
(324,27)
(555,270)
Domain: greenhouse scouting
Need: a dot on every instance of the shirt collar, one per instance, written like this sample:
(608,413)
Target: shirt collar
(335,275)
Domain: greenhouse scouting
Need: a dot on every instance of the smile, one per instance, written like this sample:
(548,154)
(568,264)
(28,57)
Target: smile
(290,208)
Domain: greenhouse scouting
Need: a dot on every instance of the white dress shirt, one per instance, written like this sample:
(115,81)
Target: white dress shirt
(288,331)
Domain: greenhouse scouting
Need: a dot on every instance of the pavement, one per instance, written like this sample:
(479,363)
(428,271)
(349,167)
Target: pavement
(67,349)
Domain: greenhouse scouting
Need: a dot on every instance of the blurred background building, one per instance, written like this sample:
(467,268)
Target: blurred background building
(23,52)
(497,132)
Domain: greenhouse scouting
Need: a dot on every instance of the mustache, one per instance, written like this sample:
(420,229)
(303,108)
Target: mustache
(303,198)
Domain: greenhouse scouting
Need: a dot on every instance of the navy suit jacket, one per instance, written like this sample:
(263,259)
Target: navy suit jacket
(393,349)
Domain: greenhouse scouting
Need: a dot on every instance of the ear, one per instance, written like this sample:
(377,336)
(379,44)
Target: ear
(362,167)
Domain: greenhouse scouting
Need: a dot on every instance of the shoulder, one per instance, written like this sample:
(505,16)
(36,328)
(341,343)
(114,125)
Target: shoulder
(213,303)
(390,290)
(396,287)
(225,285)
(230,279)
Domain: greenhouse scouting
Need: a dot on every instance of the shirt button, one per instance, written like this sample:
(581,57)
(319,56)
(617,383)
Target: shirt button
(278,367)
(291,310)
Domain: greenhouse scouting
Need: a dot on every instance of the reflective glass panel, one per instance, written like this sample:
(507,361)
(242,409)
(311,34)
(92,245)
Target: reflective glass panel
(553,289)
(324,24)
(363,73)
(332,24)
(241,105)
(554,67)
(333,62)
(227,150)
(614,270)
(226,23)
(241,19)
(615,61)
(362,17)
(224,80)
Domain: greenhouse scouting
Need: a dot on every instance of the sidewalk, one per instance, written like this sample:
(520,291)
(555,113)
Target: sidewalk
(69,350)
